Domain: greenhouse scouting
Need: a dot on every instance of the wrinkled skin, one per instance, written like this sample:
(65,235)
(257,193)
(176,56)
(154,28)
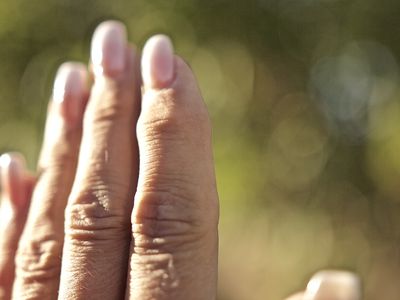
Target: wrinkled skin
(124,205)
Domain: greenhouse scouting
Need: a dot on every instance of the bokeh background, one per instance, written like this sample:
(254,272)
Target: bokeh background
(305,101)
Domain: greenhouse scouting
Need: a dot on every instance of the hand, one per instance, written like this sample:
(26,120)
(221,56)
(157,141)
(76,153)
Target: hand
(141,210)
(125,203)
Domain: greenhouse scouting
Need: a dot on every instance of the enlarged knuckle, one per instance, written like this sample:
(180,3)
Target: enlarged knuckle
(165,125)
(39,260)
(89,219)
(162,220)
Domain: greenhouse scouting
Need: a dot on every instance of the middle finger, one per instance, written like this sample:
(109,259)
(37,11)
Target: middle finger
(97,227)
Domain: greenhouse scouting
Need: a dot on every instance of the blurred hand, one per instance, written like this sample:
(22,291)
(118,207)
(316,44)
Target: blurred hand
(125,202)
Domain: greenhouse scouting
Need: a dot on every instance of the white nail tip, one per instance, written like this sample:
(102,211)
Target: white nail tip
(70,80)
(158,61)
(108,47)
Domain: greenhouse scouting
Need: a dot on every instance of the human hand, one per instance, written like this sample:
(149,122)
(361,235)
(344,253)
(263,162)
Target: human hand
(164,246)
(133,171)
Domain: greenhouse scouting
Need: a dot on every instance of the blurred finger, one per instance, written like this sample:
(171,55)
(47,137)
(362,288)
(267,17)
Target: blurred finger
(298,296)
(333,285)
(38,260)
(15,198)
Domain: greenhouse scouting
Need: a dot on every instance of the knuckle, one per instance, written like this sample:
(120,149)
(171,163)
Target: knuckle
(163,221)
(115,104)
(89,219)
(39,260)
(157,236)
(163,125)
(107,114)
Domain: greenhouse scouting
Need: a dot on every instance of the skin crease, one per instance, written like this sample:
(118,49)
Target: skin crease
(126,204)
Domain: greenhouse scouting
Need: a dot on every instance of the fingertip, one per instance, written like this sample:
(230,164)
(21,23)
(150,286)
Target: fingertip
(158,62)
(185,76)
(70,88)
(297,296)
(12,169)
(340,285)
(12,164)
(108,48)
(70,79)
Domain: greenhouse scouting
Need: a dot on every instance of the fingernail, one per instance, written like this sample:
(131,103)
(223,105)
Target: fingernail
(12,167)
(108,48)
(69,90)
(158,62)
(338,285)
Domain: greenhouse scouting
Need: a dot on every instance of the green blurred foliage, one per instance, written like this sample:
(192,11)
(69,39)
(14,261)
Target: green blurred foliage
(305,103)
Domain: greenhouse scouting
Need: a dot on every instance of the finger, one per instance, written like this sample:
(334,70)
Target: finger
(38,260)
(97,229)
(14,205)
(333,285)
(175,217)
(298,296)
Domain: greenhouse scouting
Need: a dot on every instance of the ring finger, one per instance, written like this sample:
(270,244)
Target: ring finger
(38,259)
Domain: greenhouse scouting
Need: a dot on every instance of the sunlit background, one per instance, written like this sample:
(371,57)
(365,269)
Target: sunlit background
(305,101)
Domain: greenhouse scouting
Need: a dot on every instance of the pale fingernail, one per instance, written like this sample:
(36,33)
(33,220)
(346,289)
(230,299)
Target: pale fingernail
(69,90)
(12,166)
(335,285)
(158,62)
(108,48)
